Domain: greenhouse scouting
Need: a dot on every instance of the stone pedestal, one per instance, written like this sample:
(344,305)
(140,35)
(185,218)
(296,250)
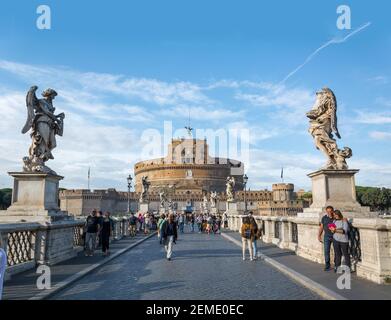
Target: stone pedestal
(334,188)
(144,207)
(232,208)
(34,198)
(214,211)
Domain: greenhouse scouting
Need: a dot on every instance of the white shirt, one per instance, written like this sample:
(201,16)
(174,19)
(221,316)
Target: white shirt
(3,266)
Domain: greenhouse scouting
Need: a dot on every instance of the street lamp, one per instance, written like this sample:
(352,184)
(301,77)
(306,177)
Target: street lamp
(245,179)
(129,178)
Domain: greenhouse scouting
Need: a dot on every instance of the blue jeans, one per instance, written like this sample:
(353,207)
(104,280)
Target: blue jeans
(192,227)
(327,241)
(255,248)
(181,227)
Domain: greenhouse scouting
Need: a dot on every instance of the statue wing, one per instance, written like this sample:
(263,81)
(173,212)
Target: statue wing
(32,104)
(334,120)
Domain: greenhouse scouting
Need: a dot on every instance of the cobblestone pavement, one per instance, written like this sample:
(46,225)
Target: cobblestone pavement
(203,267)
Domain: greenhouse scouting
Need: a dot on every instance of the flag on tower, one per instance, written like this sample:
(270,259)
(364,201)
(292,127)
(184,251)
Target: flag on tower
(282,173)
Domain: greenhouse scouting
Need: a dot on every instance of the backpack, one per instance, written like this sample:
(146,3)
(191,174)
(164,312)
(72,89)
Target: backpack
(247,231)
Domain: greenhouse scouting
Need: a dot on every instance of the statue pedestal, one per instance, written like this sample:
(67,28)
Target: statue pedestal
(34,198)
(232,208)
(144,207)
(334,188)
(214,211)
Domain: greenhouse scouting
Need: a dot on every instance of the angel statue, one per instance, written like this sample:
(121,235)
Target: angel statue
(213,199)
(145,187)
(230,189)
(44,126)
(163,198)
(323,124)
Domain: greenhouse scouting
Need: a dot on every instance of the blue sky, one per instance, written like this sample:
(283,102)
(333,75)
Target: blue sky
(124,67)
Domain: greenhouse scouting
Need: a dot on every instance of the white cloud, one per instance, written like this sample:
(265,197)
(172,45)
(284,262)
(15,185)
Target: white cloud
(380,135)
(373,117)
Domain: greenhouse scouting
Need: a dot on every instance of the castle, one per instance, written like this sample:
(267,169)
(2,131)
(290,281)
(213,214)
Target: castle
(187,174)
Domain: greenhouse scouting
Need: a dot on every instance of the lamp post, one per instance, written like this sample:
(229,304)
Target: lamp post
(129,178)
(245,179)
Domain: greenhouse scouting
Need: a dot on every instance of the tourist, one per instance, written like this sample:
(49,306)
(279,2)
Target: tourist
(247,232)
(3,265)
(192,222)
(169,235)
(100,222)
(92,228)
(181,222)
(209,224)
(327,240)
(218,224)
(225,220)
(140,222)
(132,225)
(257,235)
(159,227)
(199,223)
(147,223)
(106,230)
(340,231)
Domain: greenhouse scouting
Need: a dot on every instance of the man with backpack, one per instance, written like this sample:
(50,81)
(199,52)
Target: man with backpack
(248,235)
(132,225)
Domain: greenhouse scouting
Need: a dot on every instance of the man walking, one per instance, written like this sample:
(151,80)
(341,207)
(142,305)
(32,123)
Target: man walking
(92,228)
(181,221)
(327,219)
(169,235)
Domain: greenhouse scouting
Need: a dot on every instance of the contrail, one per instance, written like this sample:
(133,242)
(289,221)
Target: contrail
(333,41)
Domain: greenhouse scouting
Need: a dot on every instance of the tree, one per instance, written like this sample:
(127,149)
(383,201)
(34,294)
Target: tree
(5,198)
(378,199)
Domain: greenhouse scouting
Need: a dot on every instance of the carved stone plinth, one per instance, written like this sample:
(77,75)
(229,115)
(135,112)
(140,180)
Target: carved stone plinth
(34,198)
(232,208)
(335,188)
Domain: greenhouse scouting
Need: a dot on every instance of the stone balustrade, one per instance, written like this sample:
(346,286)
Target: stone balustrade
(30,244)
(370,247)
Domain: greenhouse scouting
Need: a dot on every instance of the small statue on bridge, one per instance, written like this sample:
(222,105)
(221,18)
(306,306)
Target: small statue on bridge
(163,198)
(323,123)
(145,187)
(44,125)
(230,189)
(213,199)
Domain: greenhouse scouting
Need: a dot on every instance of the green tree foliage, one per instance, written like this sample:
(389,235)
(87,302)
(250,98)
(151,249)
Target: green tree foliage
(5,198)
(378,199)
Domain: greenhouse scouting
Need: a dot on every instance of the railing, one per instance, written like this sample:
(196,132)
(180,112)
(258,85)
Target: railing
(354,246)
(294,233)
(78,236)
(20,246)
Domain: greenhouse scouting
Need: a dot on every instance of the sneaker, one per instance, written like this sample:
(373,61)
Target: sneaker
(327,269)
(169,259)
(244,258)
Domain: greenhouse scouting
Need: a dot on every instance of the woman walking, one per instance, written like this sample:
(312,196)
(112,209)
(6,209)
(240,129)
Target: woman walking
(257,235)
(169,235)
(107,226)
(3,265)
(248,234)
(340,240)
